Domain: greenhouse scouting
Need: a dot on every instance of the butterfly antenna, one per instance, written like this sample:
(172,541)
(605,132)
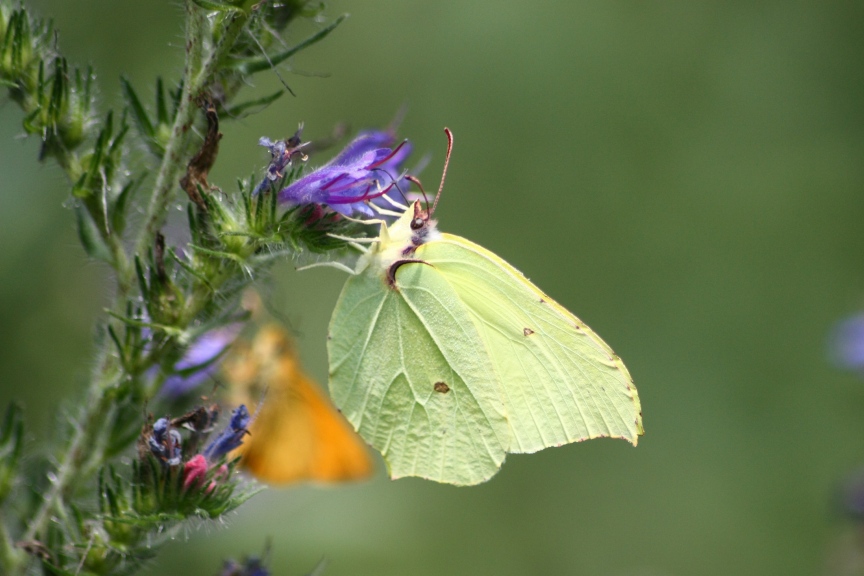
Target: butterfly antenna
(419,185)
(444,173)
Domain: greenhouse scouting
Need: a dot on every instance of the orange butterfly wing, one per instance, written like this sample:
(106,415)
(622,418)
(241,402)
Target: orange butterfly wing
(297,434)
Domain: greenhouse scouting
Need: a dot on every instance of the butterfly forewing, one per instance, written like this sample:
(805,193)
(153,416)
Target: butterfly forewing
(560,382)
(411,373)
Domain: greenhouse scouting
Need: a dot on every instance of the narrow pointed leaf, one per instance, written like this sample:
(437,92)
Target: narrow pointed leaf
(253,65)
(239,110)
(90,237)
(142,119)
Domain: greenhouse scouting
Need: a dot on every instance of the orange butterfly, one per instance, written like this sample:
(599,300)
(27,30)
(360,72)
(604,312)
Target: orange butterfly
(297,434)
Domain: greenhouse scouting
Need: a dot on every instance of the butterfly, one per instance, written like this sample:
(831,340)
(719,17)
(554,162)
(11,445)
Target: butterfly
(445,358)
(296,434)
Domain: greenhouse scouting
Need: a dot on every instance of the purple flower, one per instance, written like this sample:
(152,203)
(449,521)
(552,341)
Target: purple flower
(367,169)
(200,361)
(847,343)
(250,566)
(852,496)
(231,437)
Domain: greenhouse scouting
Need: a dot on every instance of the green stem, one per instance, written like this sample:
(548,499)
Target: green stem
(163,189)
(197,78)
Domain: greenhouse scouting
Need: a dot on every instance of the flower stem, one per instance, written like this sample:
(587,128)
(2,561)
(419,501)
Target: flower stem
(197,76)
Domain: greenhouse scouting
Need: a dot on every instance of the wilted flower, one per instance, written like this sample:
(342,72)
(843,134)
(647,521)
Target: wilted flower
(366,169)
(200,361)
(281,154)
(164,442)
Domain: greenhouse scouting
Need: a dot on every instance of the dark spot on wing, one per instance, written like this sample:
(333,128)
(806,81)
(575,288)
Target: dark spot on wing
(441,387)
(527,331)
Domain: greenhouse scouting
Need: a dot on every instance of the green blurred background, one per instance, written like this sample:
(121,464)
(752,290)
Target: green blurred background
(686,177)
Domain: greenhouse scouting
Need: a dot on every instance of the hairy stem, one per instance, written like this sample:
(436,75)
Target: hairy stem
(198,75)
(172,160)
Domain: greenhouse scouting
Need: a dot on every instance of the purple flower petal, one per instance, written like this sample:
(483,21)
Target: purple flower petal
(231,437)
(364,171)
(847,343)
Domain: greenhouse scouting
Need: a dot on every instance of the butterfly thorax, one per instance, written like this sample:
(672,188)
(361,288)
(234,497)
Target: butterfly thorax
(398,242)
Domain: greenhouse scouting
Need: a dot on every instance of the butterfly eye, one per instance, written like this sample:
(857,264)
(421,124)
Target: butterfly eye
(417,223)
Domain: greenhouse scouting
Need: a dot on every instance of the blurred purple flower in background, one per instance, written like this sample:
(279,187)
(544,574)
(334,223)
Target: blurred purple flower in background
(201,360)
(847,343)
(251,566)
(366,169)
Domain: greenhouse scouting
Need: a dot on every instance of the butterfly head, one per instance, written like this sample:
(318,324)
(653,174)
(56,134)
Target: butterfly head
(415,227)
(421,221)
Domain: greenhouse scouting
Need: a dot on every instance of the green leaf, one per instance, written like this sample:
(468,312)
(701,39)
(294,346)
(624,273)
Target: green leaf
(238,110)
(120,205)
(169,330)
(143,286)
(91,239)
(253,65)
(142,119)
(161,105)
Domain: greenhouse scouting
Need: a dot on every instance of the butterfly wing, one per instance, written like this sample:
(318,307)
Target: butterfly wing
(296,435)
(410,372)
(464,360)
(560,382)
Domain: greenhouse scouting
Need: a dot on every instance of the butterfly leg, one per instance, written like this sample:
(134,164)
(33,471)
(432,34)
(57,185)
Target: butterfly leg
(384,211)
(394,203)
(369,221)
(352,240)
(356,243)
(337,265)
